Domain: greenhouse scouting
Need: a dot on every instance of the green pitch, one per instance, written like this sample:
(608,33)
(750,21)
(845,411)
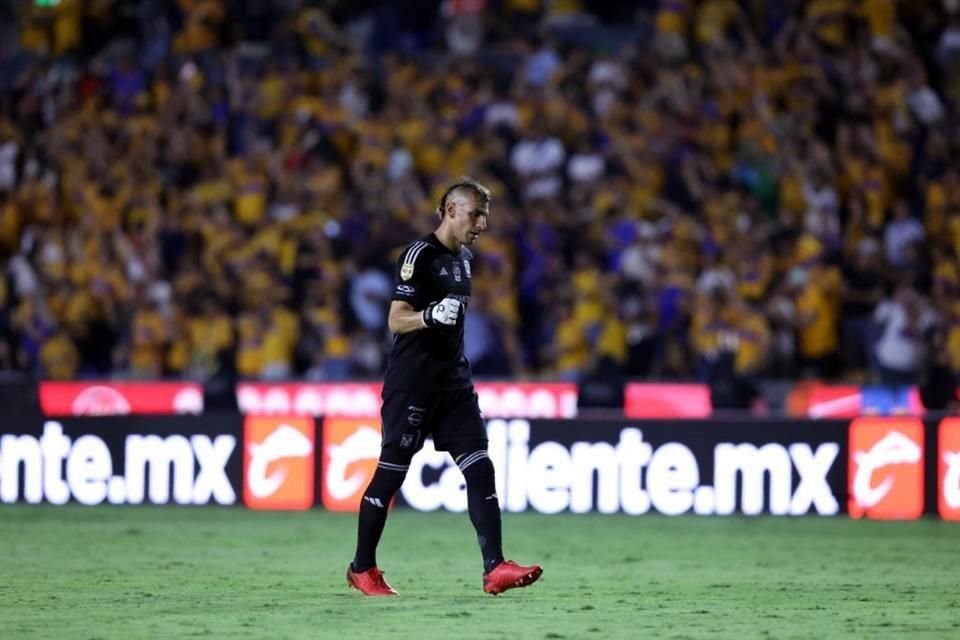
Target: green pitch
(165,572)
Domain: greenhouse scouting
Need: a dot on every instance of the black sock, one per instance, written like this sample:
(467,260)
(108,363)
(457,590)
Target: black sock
(483,505)
(385,483)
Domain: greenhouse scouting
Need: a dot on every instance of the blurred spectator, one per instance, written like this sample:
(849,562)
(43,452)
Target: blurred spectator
(900,234)
(464,25)
(862,291)
(566,351)
(537,159)
(209,341)
(640,321)
(731,342)
(59,359)
(483,340)
(370,291)
(904,320)
(938,382)
(815,321)
(948,53)
(541,62)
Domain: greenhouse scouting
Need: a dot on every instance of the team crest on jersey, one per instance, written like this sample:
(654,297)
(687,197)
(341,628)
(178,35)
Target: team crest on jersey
(466,268)
(406,271)
(456,271)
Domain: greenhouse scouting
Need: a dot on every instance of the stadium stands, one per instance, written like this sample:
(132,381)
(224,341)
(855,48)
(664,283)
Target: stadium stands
(712,189)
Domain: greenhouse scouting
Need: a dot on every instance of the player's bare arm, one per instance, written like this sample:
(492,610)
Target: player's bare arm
(403,318)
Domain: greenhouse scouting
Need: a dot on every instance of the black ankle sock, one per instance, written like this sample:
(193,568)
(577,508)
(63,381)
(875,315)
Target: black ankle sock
(490,565)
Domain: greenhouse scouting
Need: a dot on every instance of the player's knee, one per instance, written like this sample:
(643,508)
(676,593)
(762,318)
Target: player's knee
(395,457)
(476,466)
(391,471)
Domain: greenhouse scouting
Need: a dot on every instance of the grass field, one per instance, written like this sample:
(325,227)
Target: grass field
(152,572)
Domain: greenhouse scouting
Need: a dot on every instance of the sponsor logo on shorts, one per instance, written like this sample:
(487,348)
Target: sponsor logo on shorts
(278,462)
(350,452)
(415,415)
(886,468)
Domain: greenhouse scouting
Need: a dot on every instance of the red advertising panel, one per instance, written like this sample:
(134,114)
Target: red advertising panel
(362,399)
(120,398)
(649,400)
(340,399)
(948,465)
(885,476)
(527,399)
(351,449)
(278,462)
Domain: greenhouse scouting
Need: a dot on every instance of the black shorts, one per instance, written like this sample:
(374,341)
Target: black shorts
(410,417)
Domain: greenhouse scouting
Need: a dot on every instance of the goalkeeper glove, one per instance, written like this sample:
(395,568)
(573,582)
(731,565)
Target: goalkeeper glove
(442,313)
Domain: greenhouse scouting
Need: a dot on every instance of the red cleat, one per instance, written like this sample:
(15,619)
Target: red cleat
(369,582)
(510,575)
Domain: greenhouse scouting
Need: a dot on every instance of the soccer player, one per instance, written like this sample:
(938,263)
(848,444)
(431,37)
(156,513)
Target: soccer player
(427,391)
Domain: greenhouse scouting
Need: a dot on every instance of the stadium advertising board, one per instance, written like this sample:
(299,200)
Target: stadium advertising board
(635,468)
(278,462)
(886,468)
(351,447)
(61,399)
(362,399)
(882,468)
(122,460)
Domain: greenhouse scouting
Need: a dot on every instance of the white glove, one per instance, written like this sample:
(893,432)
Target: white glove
(440,313)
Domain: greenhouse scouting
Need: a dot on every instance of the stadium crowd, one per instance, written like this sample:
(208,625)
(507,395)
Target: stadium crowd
(210,189)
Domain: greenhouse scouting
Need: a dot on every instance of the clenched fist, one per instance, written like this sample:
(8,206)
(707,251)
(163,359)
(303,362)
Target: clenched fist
(440,313)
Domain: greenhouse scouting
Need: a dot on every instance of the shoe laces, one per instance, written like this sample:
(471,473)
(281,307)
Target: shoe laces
(378,578)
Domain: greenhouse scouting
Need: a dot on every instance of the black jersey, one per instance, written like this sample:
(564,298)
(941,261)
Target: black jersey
(430,359)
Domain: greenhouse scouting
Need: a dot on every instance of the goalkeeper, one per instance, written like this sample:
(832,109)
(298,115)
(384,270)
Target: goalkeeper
(427,391)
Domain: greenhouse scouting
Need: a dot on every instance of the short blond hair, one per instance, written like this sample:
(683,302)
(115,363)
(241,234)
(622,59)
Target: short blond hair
(464,185)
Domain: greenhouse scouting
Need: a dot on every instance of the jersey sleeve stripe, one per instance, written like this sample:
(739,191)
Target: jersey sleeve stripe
(414,252)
